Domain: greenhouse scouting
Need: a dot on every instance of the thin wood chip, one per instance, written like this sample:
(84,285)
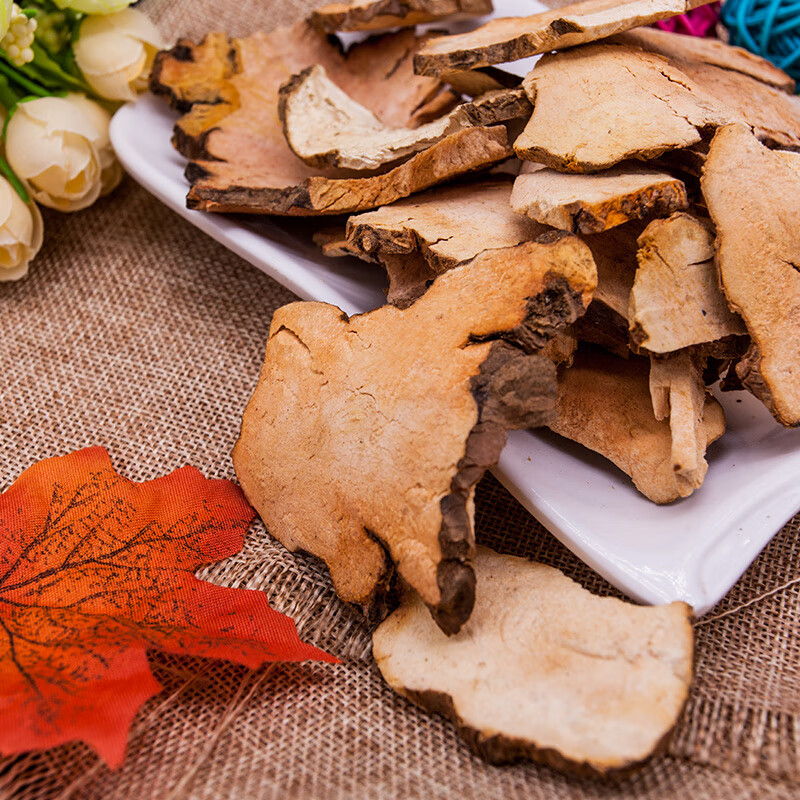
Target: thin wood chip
(596,202)
(676,300)
(583,122)
(512,38)
(753,196)
(369,15)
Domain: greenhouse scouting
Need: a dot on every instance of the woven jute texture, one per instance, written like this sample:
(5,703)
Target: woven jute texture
(137,333)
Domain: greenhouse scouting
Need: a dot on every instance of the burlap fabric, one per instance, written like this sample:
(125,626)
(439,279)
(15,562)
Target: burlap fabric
(137,333)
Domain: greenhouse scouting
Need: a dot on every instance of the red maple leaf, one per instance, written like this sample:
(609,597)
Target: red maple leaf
(95,569)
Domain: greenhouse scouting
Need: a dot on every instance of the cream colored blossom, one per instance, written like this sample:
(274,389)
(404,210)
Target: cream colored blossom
(60,147)
(94,6)
(115,53)
(21,233)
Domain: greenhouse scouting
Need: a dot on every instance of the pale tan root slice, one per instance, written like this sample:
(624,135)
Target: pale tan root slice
(750,86)
(679,394)
(606,320)
(597,105)
(512,38)
(753,196)
(365,436)
(370,15)
(594,203)
(462,153)
(333,243)
(773,114)
(326,128)
(448,225)
(604,403)
(545,670)
(676,300)
(228,91)
(475,82)
(409,275)
(678,47)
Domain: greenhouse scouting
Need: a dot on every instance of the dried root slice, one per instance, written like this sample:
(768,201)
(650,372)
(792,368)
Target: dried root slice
(370,15)
(606,320)
(773,114)
(325,127)
(460,153)
(410,276)
(582,122)
(337,452)
(760,93)
(676,300)
(228,90)
(604,403)
(677,47)
(447,226)
(475,82)
(753,196)
(545,670)
(511,38)
(594,203)
(679,394)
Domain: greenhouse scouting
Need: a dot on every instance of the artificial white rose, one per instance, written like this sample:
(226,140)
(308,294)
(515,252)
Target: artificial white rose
(111,171)
(94,6)
(21,233)
(115,53)
(60,147)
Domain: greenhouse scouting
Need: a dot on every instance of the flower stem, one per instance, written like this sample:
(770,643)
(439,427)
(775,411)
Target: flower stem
(17,77)
(19,188)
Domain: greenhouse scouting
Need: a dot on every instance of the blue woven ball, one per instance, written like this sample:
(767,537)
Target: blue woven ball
(770,28)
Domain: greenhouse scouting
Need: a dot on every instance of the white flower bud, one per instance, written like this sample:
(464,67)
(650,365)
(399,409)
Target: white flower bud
(60,147)
(21,233)
(115,53)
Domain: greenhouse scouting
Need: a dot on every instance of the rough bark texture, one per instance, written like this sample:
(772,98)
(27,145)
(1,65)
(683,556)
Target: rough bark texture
(677,47)
(594,203)
(325,127)
(598,105)
(459,154)
(371,424)
(753,196)
(370,15)
(512,38)
(676,300)
(228,89)
(546,671)
(447,226)
(604,403)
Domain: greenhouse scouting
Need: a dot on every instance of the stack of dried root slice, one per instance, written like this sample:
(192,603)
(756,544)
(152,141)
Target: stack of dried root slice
(587,251)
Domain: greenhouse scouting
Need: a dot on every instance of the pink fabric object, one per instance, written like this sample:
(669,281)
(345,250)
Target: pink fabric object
(700,21)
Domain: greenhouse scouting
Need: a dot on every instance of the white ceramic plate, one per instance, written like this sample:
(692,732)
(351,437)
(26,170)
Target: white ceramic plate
(692,550)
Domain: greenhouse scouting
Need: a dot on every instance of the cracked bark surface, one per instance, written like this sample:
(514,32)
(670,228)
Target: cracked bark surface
(753,196)
(605,404)
(368,15)
(677,47)
(581,122)
(325,127)
(597,202)
(676,300)
(371,423)
(511,38)
(544,670)
(239,159)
